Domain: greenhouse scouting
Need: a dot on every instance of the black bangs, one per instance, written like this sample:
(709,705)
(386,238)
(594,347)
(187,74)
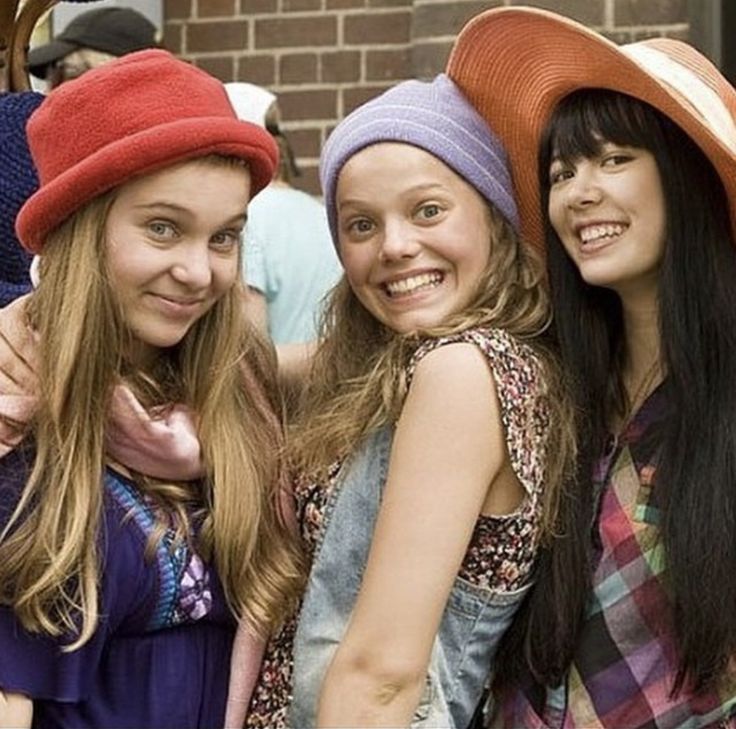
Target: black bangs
(586,119)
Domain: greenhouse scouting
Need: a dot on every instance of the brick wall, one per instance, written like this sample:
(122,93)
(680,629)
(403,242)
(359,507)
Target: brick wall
(324,57)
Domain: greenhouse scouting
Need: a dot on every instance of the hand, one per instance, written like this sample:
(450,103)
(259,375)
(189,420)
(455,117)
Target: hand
(18,379)
(137,438)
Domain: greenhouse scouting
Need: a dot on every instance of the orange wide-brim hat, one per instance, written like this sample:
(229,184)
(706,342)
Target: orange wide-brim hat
(516,64)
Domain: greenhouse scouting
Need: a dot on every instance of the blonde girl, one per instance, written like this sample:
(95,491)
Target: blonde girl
(139,511)
(432,439)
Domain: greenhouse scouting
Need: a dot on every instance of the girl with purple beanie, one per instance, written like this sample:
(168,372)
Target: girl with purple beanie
(432,436)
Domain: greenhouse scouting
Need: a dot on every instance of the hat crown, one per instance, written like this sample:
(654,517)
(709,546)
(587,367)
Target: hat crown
(112,29)
(250,102)
(694,79)
(434,116)
(130,95)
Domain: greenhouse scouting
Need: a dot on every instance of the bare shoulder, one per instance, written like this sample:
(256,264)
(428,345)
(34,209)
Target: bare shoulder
(452,382)
(457,365)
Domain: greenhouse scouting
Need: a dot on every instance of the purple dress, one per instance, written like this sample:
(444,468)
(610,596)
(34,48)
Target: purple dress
(160,657)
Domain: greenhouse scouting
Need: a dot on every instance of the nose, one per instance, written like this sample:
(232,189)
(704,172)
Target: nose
(193,266)
(399,241)
(583,189)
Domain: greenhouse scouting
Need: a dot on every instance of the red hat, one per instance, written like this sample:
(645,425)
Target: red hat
(131,116)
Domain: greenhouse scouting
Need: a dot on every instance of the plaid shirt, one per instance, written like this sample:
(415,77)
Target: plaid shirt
(626,661)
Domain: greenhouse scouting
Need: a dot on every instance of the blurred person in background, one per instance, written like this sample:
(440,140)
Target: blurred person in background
(290,262)
(89,40)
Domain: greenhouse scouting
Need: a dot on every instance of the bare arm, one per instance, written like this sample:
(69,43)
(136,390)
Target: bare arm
(256,309)
(448,449)
(16,711)
(294,360)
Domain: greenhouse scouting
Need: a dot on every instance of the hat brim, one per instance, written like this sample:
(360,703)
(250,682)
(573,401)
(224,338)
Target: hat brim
(40,58)
(118,163)
(516,64)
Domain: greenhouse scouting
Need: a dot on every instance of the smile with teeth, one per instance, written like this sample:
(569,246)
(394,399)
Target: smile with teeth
(413,284)
(594,233)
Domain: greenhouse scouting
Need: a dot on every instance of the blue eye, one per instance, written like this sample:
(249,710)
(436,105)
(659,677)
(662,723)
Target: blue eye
(430,210)
(226,239)
(162,229)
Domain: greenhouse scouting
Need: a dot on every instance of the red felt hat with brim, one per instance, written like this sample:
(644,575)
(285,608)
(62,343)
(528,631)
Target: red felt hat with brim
(134,115)
(516,64)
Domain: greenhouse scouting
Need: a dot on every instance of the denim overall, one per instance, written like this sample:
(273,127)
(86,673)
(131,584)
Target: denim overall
(473,622)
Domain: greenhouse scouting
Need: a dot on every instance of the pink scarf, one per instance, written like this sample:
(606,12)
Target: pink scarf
(162,442)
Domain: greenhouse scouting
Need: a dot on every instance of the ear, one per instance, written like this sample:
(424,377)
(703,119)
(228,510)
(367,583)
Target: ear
(15,37)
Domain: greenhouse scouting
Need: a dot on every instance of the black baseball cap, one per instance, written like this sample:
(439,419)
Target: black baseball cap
(112,30)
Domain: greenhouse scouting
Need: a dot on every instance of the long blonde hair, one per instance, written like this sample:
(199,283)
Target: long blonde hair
(357,381)
(49,562)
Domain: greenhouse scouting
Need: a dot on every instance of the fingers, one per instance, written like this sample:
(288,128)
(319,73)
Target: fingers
(17,351)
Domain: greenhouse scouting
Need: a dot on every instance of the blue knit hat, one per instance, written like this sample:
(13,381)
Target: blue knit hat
(436,117)
(18,181)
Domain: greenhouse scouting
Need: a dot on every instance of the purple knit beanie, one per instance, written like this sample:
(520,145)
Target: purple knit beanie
(436,117)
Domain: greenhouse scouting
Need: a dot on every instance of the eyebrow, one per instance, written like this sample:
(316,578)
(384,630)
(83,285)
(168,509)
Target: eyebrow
(422,187)
(174,207)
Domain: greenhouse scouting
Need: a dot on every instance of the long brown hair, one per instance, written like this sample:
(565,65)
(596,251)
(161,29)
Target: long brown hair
(49,566)
(357,382)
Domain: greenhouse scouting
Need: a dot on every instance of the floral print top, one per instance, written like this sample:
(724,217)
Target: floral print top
(502,549)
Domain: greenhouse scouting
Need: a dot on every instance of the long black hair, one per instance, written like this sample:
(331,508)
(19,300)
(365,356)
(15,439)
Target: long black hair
(695,481)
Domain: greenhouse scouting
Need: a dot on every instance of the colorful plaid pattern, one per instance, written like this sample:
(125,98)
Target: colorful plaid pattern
(626,661)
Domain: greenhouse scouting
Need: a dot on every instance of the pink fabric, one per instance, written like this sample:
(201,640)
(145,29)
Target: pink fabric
(162,443)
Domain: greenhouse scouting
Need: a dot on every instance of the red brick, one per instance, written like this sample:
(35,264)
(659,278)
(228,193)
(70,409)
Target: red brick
(589,12)
(389,65)
(309,179)
(298,68)
(390,3)
(222,67)
(305,142)
(216,8)
(342,4)
(177,9)
(260,69)
(296,32)
(251,7)
(297,5)
(429,59)
(317,104)
(172,37)
(445,18)
(354,97)
(378,28)
(341,66)
(651,12)
(230,35)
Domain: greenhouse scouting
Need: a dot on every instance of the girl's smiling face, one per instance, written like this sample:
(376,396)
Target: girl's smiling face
(173,248)
(414,237)
(609,212)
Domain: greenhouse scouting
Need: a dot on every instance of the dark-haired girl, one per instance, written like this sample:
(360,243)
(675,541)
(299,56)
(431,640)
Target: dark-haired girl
(631,621)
